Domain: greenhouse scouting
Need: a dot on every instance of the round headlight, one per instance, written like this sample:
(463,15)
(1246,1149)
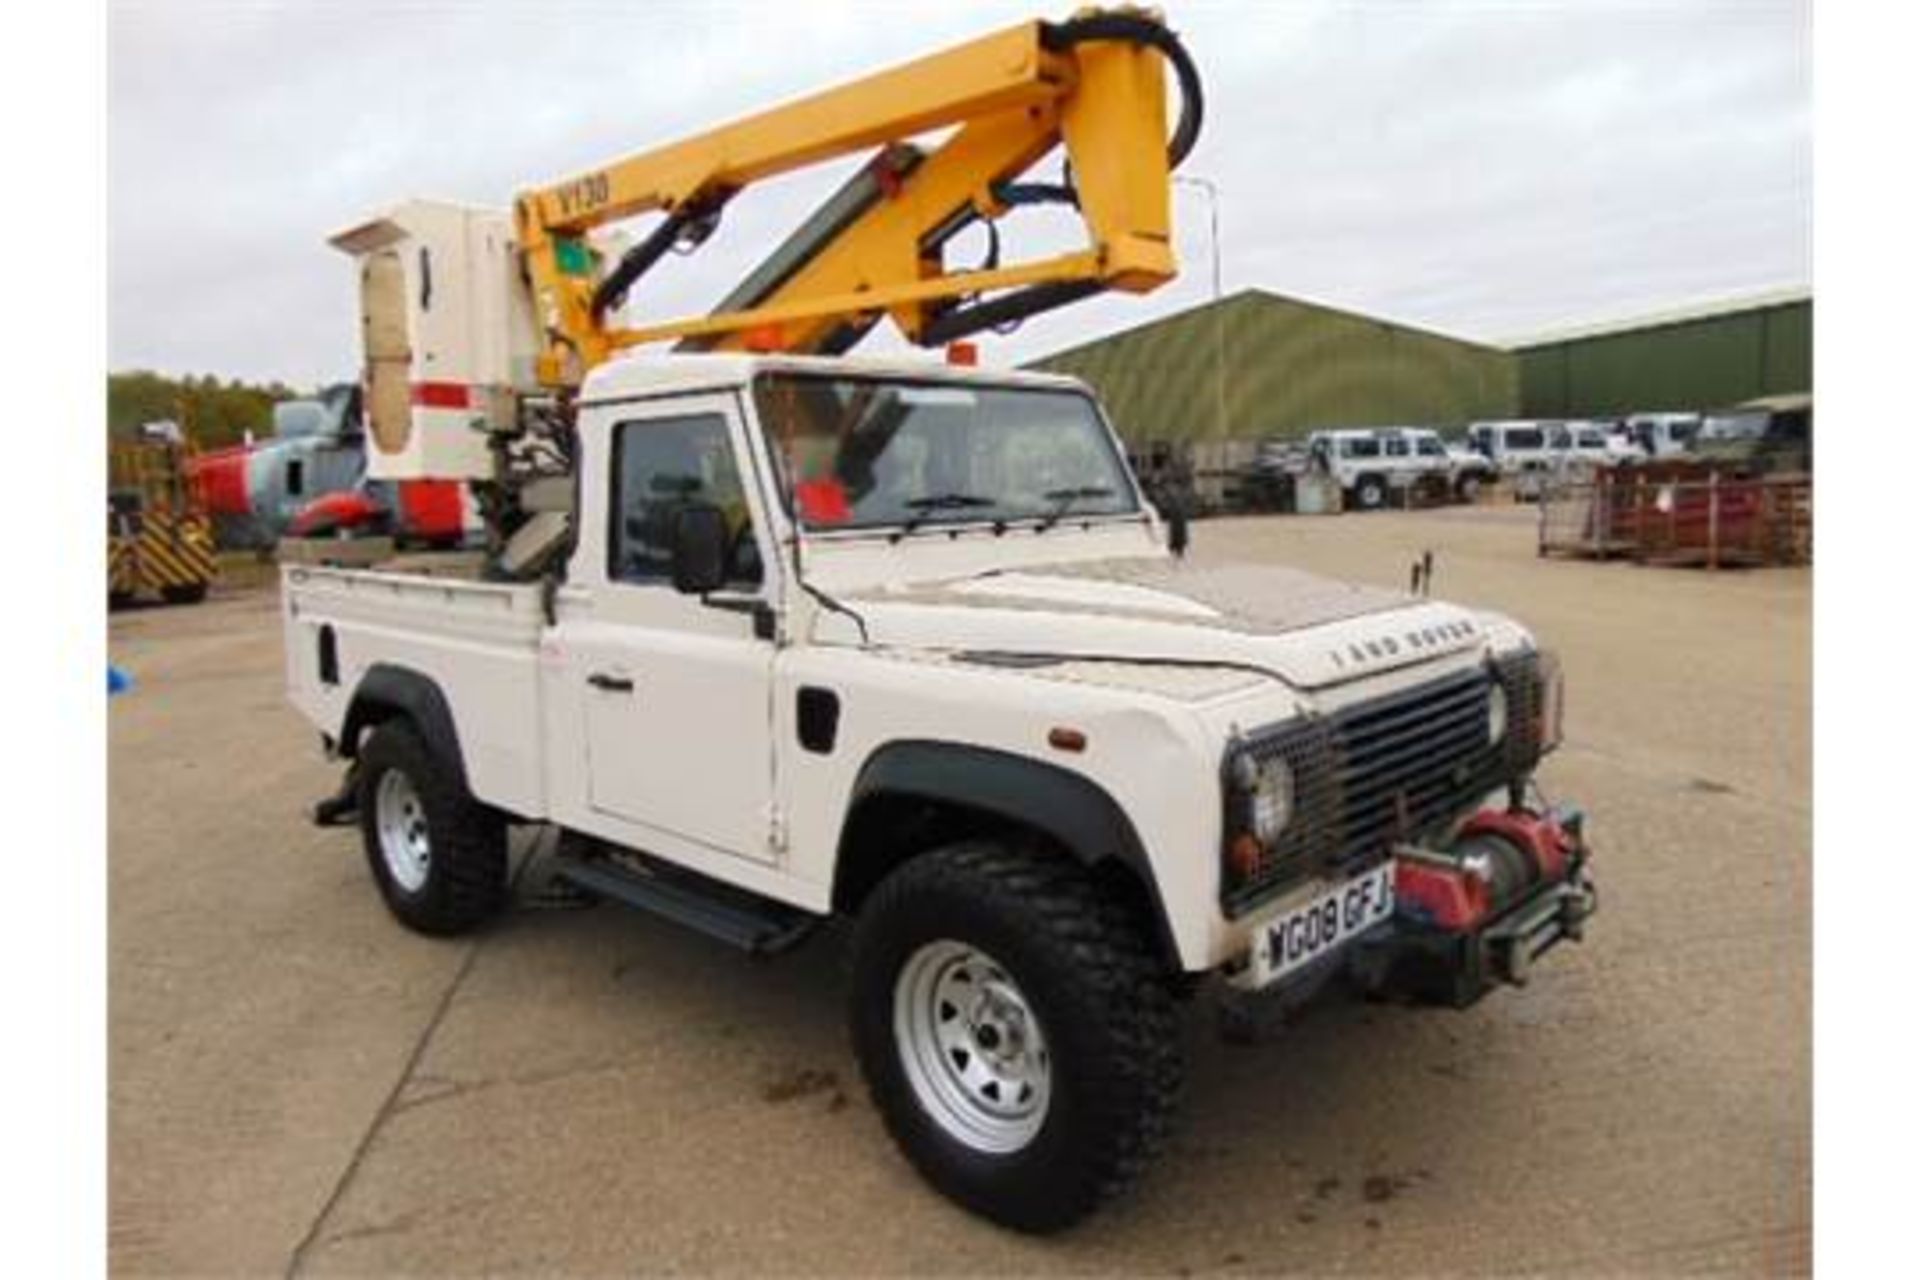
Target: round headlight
(1496,713)
(1271,799)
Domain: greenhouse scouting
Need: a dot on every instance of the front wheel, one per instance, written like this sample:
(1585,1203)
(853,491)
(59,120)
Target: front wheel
(1370,493)
(1469,488)
(1015,1032)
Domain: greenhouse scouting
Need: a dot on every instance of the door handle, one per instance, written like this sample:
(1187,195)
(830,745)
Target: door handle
(612,684)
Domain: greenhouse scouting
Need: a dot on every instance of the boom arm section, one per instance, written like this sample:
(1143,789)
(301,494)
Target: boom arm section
(1095,84)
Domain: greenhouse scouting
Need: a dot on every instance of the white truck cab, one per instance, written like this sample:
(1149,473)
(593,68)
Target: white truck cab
(905,643)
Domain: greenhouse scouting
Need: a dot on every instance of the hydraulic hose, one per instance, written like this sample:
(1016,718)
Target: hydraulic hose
(694,221)
(1007,310)
(1062,36)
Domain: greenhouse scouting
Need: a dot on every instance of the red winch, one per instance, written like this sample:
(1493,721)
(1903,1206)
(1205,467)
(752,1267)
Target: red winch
(1509,886)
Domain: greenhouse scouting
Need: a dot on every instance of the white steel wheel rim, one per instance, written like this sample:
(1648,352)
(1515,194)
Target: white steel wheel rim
(401,821)
(972,1048)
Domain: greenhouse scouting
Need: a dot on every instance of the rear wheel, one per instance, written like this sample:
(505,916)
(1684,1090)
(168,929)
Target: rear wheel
(1016,1033)
(185,593)
(1468,488)
(438,855)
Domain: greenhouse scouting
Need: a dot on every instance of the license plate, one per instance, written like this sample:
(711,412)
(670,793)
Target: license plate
(1321,922)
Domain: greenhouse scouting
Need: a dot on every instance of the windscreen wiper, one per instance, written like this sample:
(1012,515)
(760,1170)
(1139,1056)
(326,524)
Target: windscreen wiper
(925,508)
(1063,500)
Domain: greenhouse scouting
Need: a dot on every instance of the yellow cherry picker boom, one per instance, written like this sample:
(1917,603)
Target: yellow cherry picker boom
(471,318)
(1093,84)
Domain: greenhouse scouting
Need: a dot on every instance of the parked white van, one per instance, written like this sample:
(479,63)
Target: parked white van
(1594,442)
(1661,435)
(1514,446)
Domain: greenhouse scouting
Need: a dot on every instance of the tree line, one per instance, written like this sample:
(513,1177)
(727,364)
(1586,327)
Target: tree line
(213,412)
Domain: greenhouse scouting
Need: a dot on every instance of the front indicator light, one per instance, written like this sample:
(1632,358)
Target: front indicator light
(1243,856)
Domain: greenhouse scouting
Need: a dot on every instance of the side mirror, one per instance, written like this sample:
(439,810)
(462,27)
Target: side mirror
(1178,535)
(699,549)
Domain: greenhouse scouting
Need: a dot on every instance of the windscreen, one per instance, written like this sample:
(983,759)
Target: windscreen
(860,453)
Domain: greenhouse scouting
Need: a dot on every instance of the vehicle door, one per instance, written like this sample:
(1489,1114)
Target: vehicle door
(1591,443)
(1397,456)
(1522,449)
(675,688)
(1358,455)
(1432,457)
(1560,444)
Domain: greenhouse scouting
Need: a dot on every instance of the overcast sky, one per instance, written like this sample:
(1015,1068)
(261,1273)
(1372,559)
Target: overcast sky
(1490,169)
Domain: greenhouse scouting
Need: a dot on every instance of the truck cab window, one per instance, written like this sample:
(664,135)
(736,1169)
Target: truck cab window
(662,465)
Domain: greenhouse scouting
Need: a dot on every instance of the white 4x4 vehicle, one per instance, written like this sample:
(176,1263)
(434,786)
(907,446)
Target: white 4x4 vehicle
(905,644)
(1368,463)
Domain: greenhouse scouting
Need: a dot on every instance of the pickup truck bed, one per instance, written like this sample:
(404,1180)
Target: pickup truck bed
(478,641)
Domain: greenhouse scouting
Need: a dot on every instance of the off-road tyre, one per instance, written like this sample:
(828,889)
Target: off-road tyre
(1468,489)
(119,600)
(466,872)
(1369,493)
(185,593)
(1082,959)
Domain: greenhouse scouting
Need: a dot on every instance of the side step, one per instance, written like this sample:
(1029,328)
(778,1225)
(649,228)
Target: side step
(745,920)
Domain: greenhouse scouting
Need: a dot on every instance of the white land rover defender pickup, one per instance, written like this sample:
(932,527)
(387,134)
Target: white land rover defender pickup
(904,643)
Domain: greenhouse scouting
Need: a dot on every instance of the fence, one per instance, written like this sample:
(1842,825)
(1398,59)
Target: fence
(1680,518)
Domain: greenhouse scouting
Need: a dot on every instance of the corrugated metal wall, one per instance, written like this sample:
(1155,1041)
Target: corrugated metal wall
(1289,367)
(1692,364)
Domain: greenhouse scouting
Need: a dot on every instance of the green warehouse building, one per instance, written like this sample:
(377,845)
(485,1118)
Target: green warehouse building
(1258,366)
(1700,358)
(1255,365)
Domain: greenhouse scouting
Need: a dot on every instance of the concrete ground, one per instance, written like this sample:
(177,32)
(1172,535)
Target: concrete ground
(297,1084)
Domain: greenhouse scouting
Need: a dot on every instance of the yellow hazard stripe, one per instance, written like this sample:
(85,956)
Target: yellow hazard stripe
(164,565)
(156,568)
(168,551)
(122,566)
(176,553)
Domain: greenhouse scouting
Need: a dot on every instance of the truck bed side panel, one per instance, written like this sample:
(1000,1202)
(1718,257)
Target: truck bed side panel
(479,642)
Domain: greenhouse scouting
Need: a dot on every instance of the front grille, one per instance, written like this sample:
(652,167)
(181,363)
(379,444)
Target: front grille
(1404,760)
(1389,769)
